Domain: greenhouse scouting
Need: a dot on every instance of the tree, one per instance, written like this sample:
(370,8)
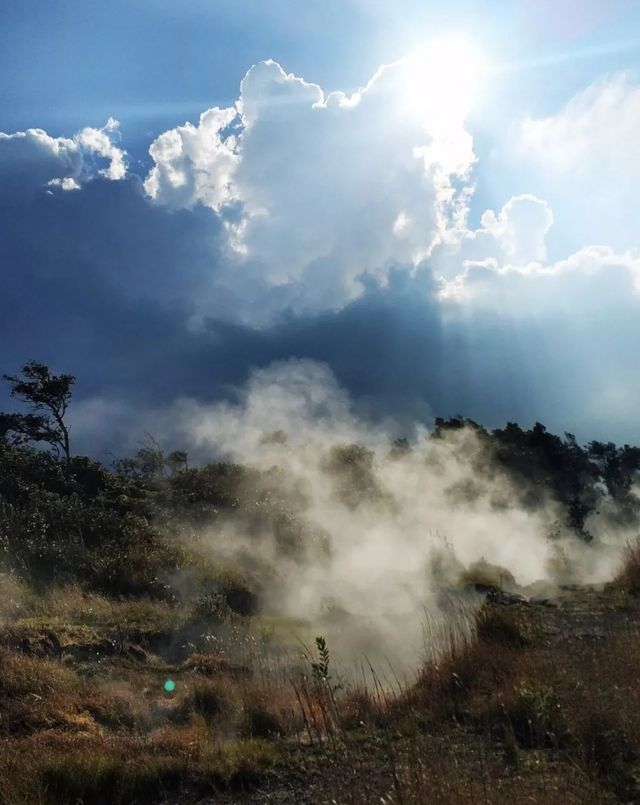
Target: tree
(150,464)
(399,448)
(48,396)
(619,468)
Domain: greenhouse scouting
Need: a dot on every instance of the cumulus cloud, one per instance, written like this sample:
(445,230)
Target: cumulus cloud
(513,237)
(68,183)
(32,159)
(503,265)
(100,142)
(194,163)
(303,224)
(594,278)
(316,190)
(519,230)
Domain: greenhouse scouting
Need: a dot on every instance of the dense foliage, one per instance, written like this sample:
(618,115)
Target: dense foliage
(115,529)
(542,463)
(127,530)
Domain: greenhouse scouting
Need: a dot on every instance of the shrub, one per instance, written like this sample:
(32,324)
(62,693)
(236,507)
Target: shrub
(241,764)
(352,467)
(610,754)
(483,574)
(259,720)
(534,715)
(210,608)
(209,700)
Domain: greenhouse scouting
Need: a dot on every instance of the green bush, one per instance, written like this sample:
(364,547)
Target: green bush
(535,717)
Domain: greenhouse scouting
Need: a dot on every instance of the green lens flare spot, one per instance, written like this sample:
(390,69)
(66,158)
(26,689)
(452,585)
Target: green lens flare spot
(169,686)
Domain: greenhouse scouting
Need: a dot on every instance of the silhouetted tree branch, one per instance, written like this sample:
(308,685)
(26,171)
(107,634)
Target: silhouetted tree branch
(49,396)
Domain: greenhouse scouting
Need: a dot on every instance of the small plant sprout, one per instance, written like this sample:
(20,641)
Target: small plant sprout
(320,666)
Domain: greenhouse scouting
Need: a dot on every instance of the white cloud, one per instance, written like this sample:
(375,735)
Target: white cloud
(317,189)
(600,121)
(194,163)
(98,141)
(586,158)
(503,265)
(68,183)
(515,237)
(596,277)
(32,159)
(520,229)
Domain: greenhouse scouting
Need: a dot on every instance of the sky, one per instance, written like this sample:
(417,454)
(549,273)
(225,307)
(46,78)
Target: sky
(436,202)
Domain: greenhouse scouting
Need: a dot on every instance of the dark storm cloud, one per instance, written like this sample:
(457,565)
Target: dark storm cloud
(103,284)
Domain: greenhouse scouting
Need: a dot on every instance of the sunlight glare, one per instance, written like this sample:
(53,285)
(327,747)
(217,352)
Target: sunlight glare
(441,80)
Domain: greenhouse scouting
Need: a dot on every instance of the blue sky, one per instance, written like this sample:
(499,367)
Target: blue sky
(72,63)
(440,253)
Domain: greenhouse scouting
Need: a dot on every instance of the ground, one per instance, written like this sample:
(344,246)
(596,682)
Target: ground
(541,704)
(550,717)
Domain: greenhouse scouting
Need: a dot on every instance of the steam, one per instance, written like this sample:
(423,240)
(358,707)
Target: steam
(389,533)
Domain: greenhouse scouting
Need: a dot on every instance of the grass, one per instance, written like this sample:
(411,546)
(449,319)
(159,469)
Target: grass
(102,769)
(498,626)
(511,712)
(519,703)
(135,668)
(71,604)
(629,576)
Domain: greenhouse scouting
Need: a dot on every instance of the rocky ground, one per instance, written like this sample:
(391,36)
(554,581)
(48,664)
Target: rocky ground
(567,737)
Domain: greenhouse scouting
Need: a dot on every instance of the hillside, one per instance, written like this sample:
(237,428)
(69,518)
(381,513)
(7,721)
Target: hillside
(144,661)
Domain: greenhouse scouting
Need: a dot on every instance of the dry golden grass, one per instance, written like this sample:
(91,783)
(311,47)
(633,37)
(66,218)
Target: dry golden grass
(515,707)
(97,769)
(13,596)
(72,605)
(629,575)
(42,694)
